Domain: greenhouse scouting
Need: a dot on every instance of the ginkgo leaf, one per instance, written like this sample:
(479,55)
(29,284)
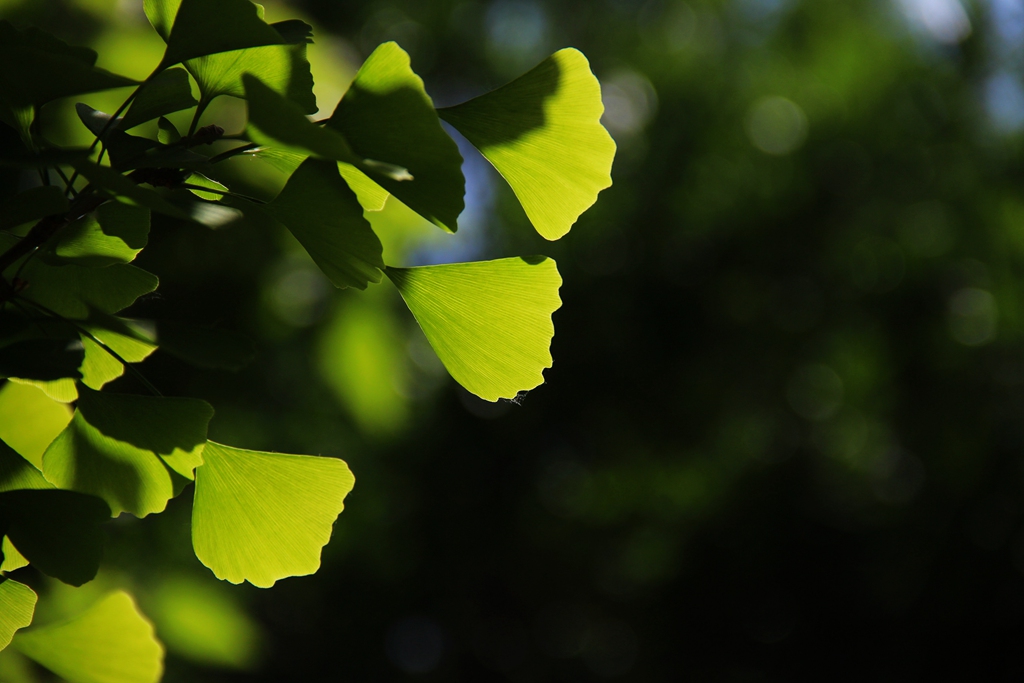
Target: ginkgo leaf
(112,445)
(192,33)
(57,531)
(261,517)
(167,92)
(100,366)
(283,68)
(72,291)
(30,420)
(17,605)
(13,559)
(489,322)
(387,115)
(60,390)
(371,196)
(31,205)
(111,642)
(542,132)
(115,233)
(324,215)
(117,184)
(17,473)
(200,180)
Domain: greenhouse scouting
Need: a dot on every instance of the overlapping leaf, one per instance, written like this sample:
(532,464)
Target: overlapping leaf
(30,420)
(167,92)
(111,642)
(324,215)
(57,531)
(17,605)
(387,115)
(489,322)
(114,233)
(117,445)
(261,517)
(542,132)
(195,28)
(40,68)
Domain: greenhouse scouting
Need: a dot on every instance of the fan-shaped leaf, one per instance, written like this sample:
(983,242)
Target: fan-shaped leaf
(543,133)
(167,92)
(324,215)
(115,233)
(387,115)
(283,68)
(261,517)
(488,322)
(17,605)
(17,473)
(111,642)
(13,559)
(110,448)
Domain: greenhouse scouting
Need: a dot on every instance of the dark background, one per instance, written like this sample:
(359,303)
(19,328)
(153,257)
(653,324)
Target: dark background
(782,436)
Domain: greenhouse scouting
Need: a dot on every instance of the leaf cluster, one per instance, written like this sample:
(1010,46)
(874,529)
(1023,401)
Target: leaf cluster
(73,453)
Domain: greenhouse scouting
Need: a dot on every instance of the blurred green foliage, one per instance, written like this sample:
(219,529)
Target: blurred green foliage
(782,434)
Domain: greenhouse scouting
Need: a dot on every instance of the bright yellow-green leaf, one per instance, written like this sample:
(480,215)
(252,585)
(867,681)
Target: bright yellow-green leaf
(489,322)
(17,604)
(100,366)
(12,559)
(542,132)
(261,517)
(324,215)
(111,642)
(30,420)
(371,195)
(61,390)
(202,181)
(114,445)
(201,621)
(116,233)
(387,115)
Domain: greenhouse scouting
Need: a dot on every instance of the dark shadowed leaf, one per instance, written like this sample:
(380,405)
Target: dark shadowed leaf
(324,215)
(31,205)
(206,27)
(166,93)
(57,531)
(386,115)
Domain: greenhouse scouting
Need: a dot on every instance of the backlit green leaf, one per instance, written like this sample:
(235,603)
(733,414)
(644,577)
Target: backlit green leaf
(371,195)
(30,420)
(111,642)
(57,531)
(31,205)
(168,92)
(17,605)
(12,560)
(542,132)
(206,27)
(72,291)
(115,233)
(283,68)
(387,115)
(117,184)
(261,517)
(324,215)
(17,473)
(202,181)
(116,334)
(112,445)
(167,134)
(488,322)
